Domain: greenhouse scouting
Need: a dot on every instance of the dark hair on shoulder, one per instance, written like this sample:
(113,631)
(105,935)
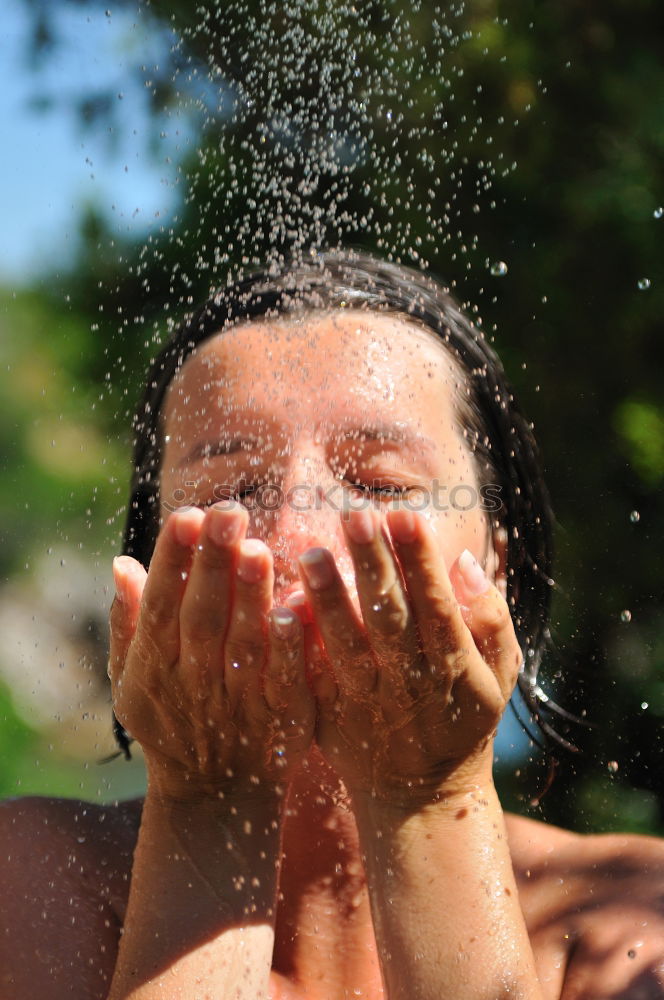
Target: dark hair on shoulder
(498,434)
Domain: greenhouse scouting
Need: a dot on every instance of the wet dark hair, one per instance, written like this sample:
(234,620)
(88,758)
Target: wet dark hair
(498,434)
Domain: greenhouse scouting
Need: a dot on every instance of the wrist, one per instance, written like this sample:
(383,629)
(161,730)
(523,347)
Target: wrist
(467,780)
(236,814)
(396,843)
(246,828)
(216,841)
(183,791)
(439,807)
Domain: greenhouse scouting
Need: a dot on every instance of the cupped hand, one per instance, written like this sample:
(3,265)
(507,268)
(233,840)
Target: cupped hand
(206,675)
(410,693)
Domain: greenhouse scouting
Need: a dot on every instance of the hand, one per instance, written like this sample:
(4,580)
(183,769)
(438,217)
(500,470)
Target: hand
(205,675)
(410,693)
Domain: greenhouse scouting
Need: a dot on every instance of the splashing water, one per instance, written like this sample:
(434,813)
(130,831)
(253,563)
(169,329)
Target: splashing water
(334,124)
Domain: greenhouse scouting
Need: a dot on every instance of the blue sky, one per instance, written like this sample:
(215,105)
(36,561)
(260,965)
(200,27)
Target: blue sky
(49,165)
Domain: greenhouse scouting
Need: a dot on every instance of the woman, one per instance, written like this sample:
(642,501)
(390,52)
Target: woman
(349,556)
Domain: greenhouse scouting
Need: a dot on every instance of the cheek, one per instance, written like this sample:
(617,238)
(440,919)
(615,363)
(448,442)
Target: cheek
(458,529)
(174,494)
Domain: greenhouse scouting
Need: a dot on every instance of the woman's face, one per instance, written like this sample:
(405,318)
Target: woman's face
(298,415)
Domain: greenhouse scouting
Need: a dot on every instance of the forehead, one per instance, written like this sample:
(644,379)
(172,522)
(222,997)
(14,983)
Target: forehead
(320,369)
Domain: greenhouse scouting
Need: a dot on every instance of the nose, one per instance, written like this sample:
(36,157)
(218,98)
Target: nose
(305,511)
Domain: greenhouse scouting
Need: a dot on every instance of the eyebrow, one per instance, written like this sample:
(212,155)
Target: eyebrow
(396,433)
(225,446)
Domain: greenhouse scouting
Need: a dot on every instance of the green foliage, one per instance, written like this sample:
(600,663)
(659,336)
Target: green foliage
(641,425)
(59,461)
(17,741)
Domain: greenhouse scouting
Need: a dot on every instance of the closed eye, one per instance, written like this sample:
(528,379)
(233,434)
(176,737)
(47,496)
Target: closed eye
(246,493)
(381,489)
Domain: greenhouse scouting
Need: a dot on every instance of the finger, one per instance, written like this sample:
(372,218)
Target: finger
(245,645)
(445,639)
(297,602)
(285,687)
(387,615)
(205,610)
(319,673)
(158,624)
(345,640)
(487,615)
(285,664)
(129,577)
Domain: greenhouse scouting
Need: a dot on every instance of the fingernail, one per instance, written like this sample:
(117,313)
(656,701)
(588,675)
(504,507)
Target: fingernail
(317,568)
(473,575)
(283,622)
(251,564)
(224,524)
(297,602)
(402,525)
(187,526)
(360,525)
(118,579)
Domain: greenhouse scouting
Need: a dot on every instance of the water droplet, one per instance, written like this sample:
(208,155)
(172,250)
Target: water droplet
(658,213)
(635,517)
(644,705)
(644,284)
(498,269)
(625,616)
(235,665)
(613,766)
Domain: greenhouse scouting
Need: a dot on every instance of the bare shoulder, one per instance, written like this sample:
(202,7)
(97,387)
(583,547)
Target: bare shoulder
(91,844)
(64,880)
(595,904)
(614,861)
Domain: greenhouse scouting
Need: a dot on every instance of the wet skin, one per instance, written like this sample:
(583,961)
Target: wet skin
(383,641)
(593,904)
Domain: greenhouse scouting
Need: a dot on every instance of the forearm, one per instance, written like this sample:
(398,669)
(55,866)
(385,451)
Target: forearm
(446,913)
(200,917)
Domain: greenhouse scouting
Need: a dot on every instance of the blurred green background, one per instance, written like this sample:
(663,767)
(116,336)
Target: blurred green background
(131,185)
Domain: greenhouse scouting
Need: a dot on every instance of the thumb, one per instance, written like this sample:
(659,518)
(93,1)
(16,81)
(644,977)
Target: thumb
(469,580)
(487,615)
(129,577)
